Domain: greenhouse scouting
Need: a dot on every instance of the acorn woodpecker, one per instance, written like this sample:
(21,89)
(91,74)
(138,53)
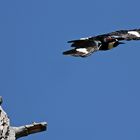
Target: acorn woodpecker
(86,46)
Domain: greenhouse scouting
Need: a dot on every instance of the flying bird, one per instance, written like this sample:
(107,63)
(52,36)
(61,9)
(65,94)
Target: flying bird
(86,46)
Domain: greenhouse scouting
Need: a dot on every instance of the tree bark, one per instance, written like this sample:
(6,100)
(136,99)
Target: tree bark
(8,132)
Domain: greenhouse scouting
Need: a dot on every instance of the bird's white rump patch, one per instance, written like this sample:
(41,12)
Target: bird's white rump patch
(137,34)
(82,50)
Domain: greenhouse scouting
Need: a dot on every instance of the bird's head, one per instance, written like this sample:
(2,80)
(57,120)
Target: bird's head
(113,44)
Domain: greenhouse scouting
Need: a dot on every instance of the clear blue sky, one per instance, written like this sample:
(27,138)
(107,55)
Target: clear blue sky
(96,98)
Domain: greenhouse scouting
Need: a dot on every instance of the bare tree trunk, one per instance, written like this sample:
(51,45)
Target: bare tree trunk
(8,132)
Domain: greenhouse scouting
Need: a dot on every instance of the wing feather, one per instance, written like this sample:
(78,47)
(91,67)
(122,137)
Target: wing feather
(125,34)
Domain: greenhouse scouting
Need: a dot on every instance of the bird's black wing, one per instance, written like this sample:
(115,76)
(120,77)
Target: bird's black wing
(83,47)
(82,43)
(120,35)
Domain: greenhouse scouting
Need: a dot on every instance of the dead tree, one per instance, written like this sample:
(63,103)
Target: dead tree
(8,132)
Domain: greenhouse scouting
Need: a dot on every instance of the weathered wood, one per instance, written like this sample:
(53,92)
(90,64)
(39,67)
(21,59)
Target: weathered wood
(29,129)
(8,132)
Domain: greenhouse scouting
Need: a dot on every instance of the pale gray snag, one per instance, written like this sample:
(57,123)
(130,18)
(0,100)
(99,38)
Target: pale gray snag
(8,132)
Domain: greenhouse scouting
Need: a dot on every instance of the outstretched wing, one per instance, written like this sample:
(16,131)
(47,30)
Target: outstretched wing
(82,43)
(120,35)
(127,34)
(83,48)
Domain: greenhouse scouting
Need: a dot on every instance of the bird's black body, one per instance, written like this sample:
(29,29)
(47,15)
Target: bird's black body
(86,46)
(107,46)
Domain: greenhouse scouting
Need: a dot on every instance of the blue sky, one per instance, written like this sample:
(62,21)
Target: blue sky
(97,97)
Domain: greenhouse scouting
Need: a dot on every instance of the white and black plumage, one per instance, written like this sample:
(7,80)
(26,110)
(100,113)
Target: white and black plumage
(86,46)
